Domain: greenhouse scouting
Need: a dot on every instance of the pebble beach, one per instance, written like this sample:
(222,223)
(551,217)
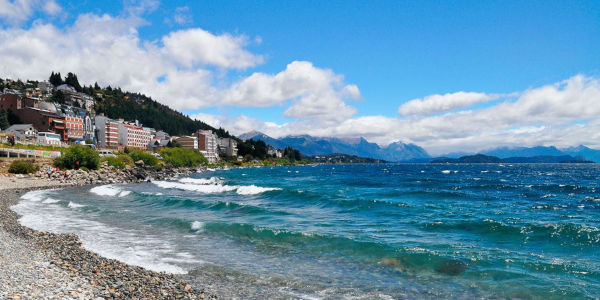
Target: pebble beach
(41,265)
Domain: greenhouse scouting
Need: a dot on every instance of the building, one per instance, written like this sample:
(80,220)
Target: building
(228,147)
(118,133)
(74,126)
(133,135)
(72,96)
(22,132)
(190,142)
(44,120)
(107,132)
(208,145)
(274,152)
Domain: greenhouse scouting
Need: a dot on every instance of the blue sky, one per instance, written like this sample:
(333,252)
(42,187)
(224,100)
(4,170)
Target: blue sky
(496,53)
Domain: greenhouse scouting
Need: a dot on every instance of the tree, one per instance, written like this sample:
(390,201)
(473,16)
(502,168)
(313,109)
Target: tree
(96,86)
(58,97)
(4,119)
(55,79)
(71,80)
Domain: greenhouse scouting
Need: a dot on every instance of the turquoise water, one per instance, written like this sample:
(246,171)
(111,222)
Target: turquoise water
(370,231)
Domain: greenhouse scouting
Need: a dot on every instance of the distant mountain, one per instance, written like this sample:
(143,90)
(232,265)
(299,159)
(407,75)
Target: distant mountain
(469,159)
(581,150)
(486,159)
(547,159)
(521,152)
(505,152)
(312,146)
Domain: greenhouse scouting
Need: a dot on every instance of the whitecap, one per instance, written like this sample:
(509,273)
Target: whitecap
(106,190)
(197,225)
(253,190)
(124,193)
(212,180)
(201,188)
(50,201)
(446,171)
(75,205)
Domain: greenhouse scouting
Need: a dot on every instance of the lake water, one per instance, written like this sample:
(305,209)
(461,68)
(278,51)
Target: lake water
(350,231)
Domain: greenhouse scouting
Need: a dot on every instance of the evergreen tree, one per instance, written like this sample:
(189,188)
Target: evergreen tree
(4,119)
(96,86)
(71,80)
(55,79)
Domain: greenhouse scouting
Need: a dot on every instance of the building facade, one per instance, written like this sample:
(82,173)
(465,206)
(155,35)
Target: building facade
(190,142)
(74,125)
(208,145)
(228,147)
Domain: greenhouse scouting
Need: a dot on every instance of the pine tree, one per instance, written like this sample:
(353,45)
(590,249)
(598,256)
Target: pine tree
(55,79)
(71,80)
(4,119)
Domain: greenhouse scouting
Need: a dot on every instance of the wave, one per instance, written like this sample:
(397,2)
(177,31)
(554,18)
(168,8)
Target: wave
(50,201)
(406,260)
(212,180)
(75,205)
(565,234)
(205,187)
(197,225)
(109,190)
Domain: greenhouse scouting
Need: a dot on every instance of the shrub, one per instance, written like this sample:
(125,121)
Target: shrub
(113,161)
(183,157)
(126,159)
(144,156)
(22,167)
(86,157)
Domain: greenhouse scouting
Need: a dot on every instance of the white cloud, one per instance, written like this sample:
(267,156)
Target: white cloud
(562,114)
(193,47)
(316,93)
(108,49)
(18,11)
(182,16)
(433,104)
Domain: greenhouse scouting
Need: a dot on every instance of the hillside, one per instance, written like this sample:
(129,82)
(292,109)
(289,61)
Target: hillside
(360,147)
(129,106)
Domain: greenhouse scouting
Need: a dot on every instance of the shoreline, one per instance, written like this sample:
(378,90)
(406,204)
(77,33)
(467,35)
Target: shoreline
(42,264)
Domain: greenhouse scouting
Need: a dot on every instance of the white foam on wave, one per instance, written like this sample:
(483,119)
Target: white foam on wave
(131,246)
(212,186)
(50,201)
(124,193)
(212,180)
(253,190)
(75,205)
(197,225)
(109,190)
(201,188)
(446,172)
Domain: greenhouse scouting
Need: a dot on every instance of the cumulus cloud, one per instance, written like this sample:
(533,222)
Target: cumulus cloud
(316,93)
(18,11)
(196,46)
(563,114)
(108,49)
(433,104)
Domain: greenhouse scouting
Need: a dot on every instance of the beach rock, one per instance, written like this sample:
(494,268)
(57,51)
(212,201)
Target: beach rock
(451,267)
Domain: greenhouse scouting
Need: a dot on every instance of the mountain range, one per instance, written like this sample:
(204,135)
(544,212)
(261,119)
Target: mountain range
(313,146)
(398,151)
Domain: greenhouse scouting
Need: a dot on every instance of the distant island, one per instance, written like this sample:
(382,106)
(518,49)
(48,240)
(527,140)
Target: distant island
(488,159)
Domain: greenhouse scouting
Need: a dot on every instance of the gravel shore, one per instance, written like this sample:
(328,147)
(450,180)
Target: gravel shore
(41,265)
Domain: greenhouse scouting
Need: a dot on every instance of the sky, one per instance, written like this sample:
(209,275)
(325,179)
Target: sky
(450,76)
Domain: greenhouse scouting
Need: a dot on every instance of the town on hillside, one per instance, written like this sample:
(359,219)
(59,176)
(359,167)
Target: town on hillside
(62,113)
